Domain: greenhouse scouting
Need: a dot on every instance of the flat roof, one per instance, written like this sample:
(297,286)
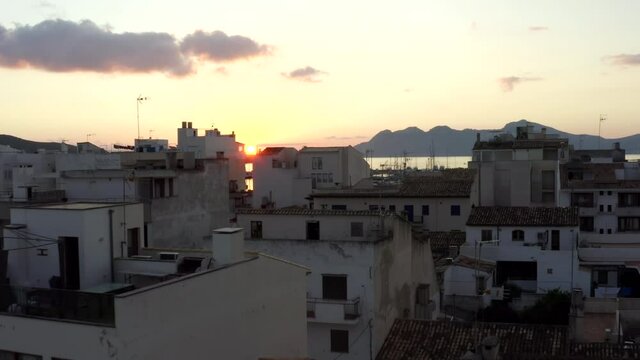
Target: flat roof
(79,205)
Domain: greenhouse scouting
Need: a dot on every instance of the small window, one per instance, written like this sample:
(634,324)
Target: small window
(555,239)
(487,235)
(608,231)
(392,208)
(256,229)
(601,231)
(425,210)
(549,271)
(608,208)
(334,287)
(601,192)
(455,210)
(339,341)
(374,208)
(608,192)
(313,230)
(601,208)
(357,229)
(316,163)
(517,235)
(586,223)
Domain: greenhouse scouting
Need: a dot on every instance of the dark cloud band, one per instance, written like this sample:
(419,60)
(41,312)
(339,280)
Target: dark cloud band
(65,46)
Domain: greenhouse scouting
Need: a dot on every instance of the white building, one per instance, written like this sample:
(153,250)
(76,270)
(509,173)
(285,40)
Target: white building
(233,306)
(440,201)
(518,172)
(534,247)
(607,193)
(285,177)
(366,271)
(215,145)
(72,245)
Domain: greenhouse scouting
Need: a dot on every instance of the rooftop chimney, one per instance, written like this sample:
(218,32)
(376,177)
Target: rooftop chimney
(490,348)
(227,245)
(616,145)
(184,124)
(189,125)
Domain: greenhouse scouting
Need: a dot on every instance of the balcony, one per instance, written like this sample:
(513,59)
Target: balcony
(57,305)
(333,311)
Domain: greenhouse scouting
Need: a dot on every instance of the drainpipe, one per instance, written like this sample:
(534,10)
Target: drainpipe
(111,244)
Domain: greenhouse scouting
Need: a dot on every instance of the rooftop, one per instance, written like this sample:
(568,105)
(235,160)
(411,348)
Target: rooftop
(441,240)
(79,205)
(520,144)
(523,216)
(445,340)
(308,212)
(274,150)
(594,176)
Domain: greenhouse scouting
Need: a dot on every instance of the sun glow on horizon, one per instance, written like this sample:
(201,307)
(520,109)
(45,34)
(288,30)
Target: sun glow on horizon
(250,150)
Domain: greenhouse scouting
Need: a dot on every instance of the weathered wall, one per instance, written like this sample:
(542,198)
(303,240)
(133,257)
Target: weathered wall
(201,204)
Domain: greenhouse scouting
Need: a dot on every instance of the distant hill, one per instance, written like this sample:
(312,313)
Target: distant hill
(31,146)
(445,141)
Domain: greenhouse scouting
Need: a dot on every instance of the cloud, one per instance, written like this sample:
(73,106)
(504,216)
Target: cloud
(66,46)
(538,28)
(508,83)
(308,74)
(624,59)
(219,47)
(46,4)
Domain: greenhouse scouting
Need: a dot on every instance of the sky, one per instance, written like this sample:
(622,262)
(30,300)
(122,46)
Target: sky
(304,72)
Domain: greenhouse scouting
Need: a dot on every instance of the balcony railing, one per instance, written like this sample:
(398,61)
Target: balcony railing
(329,310)
(57,304)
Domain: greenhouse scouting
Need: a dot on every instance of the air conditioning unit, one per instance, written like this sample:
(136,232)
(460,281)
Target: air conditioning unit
(168,255)
(497,293)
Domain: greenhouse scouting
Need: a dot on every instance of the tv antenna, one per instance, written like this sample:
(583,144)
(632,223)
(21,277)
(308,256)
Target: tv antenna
(603,117)
(139,101)
(89,135)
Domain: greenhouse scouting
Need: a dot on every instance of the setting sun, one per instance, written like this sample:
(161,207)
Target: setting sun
(250,150)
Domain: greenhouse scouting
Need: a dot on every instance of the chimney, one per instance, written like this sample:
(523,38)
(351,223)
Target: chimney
(184,124)
(227,245)
(490,348)
(189,125)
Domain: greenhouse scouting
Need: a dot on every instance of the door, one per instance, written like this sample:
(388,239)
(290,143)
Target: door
(555,239)
(133,242)
(409,210)
(69,262)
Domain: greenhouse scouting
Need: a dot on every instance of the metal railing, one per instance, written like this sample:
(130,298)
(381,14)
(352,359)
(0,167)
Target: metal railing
(351,307)
(56,304)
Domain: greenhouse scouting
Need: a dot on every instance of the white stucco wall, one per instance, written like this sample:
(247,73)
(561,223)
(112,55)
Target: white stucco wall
(246,311)
(26,268)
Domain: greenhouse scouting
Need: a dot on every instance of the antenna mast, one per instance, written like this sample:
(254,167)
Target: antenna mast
(603,117)
(139,100)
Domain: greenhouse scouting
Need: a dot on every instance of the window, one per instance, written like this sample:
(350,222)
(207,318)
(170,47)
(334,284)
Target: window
(455,210)
(481,284)
(487,235)
(425,210)
(170,187)
(629,199)
(582,199)
(313,230)
(608,208)
(549,271)
(374,208)
(339,341)
(158,188)
(601,231)
(334,287)
(555,239)
(392,208)
(628,224)
(601,208)
(408,209)
(133,242)
(586,223)
(517,235)
(609,193)
(256,229)
(357,229)
(601,192)
(608,231)
(316,163)
(548,180)
(338,207)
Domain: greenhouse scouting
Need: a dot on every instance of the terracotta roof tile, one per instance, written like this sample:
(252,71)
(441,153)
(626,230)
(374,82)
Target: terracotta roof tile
(523,216)
(445,340)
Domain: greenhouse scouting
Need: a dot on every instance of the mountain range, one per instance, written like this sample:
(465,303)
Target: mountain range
(445,141)
(31,146)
